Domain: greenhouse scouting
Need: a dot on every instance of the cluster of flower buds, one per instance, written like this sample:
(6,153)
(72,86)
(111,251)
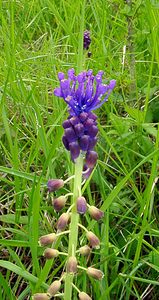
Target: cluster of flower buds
(80,135)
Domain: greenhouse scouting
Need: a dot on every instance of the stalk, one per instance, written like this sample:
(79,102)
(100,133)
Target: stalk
(73,236)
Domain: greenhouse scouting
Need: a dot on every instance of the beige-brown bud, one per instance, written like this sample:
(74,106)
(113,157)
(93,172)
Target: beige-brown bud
(71,265)
(63,221)
(59,203)
(93,239)
(84,296)
(95,213)
(54,287)
(47,239)
(95,273)
(41,296)
(85,250)
(50,253)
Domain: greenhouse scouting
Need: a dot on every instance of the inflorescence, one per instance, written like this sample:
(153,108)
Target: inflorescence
(83,94)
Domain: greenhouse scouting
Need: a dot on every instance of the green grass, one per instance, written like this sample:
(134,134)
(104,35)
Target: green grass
(38,39)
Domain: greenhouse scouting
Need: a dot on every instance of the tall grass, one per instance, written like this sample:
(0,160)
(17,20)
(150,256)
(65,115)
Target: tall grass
(38,39)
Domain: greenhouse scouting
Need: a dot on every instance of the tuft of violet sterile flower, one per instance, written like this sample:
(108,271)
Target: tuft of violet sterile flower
(83,94)
(86,39)
(55,184)
(81,205)
(84,296)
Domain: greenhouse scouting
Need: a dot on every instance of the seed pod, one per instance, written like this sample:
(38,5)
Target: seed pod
(91,159)
(54,287)
(47,239)
(95,273)
(93,239)
(81,205)
(63,221)
(50,253)
(72,265)
(55,184)
(84,296)
(41,296)
(59,203)
(95,213)
(85,250)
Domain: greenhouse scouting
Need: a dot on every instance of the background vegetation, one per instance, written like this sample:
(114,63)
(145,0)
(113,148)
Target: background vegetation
(38,38)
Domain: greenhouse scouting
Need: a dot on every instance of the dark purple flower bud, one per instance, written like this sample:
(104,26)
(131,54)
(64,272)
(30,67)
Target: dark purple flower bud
(54,288)
(71,265)
(92,131)
(70,135)
(74,120)
(85,250)
(95,213)
(88,123)
(65,142)
(55,184)
(81,205)
(84,142)
(47,239)
(59,203)
(66,124)
(93,239)
(83,116)
(50,253)
(92,143)
(91,159)
(84,296)
(95,273)
(79,129)
(74,149)
(63,221)
(92,116)
(41,296)
(86,40)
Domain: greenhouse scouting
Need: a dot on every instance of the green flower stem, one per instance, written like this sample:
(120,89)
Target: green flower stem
(73,235)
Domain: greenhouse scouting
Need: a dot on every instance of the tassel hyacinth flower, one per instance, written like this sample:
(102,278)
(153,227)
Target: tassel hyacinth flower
(83,94)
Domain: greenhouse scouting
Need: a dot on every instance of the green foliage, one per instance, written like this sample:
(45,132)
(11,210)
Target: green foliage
(38,39)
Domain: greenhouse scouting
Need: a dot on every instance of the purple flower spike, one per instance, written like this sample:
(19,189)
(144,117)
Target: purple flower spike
(83,94)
